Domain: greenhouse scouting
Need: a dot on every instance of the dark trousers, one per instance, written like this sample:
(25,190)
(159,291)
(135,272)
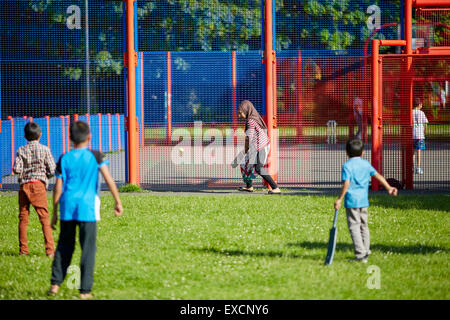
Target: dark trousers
(66,247)
(259,168)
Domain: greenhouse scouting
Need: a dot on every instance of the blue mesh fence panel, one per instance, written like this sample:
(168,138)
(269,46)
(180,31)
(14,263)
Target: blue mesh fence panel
(105,133)
(249,78)
(19,135)
(206,99)
(60,58)
(155,91)
(6,150)
(94,125)
(56,137)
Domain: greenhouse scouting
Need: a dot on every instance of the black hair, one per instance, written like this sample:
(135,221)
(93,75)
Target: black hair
(79,132)
(32,131)
(354,147)
(417,101)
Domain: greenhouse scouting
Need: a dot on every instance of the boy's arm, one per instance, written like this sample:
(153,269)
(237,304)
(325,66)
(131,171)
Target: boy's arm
(391,190)
(50,164)
(57,191)
(118,210)
(18,164)
(345,186)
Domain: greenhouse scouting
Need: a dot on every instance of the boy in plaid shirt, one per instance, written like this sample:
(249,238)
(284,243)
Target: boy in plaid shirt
(34,164)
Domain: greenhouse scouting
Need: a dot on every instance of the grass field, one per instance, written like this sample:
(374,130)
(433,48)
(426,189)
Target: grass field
(243,247)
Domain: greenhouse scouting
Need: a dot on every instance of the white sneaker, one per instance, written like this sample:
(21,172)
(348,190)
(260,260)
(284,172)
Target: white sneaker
(361,260)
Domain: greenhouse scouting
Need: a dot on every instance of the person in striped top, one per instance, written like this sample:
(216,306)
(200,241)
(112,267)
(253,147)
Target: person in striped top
(257,147)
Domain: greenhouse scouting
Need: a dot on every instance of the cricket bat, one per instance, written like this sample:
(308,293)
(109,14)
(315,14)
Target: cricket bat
(332,241)
(238,160)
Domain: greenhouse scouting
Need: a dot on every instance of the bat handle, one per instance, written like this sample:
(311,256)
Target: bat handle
(335,218)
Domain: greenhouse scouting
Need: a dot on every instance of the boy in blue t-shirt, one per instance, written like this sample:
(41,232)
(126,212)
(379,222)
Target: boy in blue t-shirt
(77,191)
(356,175)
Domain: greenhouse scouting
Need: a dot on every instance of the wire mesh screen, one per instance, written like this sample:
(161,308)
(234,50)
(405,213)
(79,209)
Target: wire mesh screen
(322,102)
(199,25)
(341,26)
(428,80)
(59,59)
(432,27)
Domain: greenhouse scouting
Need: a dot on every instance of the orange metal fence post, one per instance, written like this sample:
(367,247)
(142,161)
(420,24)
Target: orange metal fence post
(234,102)
(119,146)
(68,133)
(142,100)
(269,60)
(169,97)
(88,118)
(63,134)
(13,153)
(109,133)
(407,147)
(47,118)
(375,116)
(99,115)
(380,115)
(299,98)
(131,63)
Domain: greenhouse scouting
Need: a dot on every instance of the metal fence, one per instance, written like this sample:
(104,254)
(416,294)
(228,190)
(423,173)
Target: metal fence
(198,59)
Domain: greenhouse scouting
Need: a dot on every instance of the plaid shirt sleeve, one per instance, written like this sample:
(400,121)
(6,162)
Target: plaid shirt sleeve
(50,163)
(18,163)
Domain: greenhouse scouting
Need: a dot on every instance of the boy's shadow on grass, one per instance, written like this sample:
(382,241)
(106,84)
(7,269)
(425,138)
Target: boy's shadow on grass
(411,249)
(258,254)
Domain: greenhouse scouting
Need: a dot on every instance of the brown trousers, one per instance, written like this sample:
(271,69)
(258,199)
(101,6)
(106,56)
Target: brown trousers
(34,193)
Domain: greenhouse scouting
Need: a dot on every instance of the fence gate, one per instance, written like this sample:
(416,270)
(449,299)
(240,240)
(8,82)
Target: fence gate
(429,80)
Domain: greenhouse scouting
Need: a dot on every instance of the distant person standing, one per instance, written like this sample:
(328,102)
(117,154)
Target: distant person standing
(420,122)
(358,115)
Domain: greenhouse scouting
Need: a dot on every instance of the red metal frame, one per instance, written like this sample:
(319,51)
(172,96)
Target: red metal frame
(142,100)
(99,131)
(407,94)
(131,63)
(299,98)
(47,118)
(270,88)
(234,102)
(13,156)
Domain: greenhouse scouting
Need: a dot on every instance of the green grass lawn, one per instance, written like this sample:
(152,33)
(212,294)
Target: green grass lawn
(243,247)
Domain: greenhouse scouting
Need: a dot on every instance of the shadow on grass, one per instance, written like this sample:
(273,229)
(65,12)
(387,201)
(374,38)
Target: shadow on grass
(412,249)
(258,254)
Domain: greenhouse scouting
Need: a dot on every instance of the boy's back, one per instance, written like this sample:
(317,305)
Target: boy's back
(34,161)
(359,172)
(419,122)
(79,171)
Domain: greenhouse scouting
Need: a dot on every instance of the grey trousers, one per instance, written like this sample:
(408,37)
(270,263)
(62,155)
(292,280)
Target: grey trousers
(357,221)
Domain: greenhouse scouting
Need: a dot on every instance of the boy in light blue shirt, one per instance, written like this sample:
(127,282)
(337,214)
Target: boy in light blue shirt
(77,192)
(356,175)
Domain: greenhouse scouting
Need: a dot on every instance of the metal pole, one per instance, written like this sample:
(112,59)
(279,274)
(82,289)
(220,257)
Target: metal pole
(88,71)
(131,59)
(375,101)
(407,148)
(269,60)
